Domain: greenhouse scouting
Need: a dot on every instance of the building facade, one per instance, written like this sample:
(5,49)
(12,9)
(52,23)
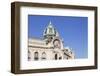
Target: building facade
(50,47)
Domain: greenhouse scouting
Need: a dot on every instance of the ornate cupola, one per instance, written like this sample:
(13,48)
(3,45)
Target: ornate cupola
(50,31)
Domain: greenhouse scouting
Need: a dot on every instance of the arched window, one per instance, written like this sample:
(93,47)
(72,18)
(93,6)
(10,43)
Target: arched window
(55,56)
(36,56)
(29,55)
(43,56)
(60,58)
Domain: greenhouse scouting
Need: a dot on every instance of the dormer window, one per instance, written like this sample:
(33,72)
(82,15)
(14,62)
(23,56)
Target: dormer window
(50,30)
(36,56)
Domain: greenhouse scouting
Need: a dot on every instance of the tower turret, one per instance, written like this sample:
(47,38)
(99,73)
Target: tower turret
(50,31)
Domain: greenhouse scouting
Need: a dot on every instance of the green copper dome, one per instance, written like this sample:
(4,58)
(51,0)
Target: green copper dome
(50,30)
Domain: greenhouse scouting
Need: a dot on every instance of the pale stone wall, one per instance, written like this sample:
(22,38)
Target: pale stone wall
(40,46)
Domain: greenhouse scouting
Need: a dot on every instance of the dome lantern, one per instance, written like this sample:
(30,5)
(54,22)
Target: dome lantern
(50,31)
